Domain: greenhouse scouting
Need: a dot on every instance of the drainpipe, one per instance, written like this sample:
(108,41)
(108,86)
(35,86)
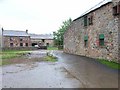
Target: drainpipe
(2,38)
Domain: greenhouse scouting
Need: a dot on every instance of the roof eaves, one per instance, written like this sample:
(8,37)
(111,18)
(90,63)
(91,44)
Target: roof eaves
(17,35)
(92,10)
(14,33)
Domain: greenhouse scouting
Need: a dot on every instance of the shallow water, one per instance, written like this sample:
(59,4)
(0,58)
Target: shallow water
(70,71)
(38,75)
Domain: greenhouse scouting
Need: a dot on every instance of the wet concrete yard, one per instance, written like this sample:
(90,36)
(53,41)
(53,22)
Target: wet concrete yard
(70,71)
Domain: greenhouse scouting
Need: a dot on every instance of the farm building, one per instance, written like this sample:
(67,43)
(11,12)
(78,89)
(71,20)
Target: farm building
(15,38)
(96,33)
(42,39)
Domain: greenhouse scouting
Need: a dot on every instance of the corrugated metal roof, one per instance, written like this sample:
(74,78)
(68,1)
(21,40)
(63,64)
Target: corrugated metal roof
(14,33)
(41,36)
(95,7)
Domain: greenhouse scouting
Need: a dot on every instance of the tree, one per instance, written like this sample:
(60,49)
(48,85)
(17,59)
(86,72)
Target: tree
(59,34)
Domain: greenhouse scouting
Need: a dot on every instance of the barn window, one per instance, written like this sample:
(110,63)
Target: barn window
(90,20)
(26,44)
(21,38)
(86,41)
(43,40)
(47,44)
(85,21)
(11,44)
(11,39)
(101,39)
(116,9)
(21,44)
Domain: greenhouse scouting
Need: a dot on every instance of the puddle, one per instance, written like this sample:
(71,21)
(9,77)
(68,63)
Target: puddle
(38,74)
(37,54)
(44,75)
(70,71)
(18,68)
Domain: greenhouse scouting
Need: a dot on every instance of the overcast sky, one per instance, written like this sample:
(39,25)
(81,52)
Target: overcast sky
(40,16)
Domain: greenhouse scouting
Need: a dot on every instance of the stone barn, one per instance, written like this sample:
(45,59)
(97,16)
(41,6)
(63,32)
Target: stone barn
(96,33)
(15,38)
(42,39)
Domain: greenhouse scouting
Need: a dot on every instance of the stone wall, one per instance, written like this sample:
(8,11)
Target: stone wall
(16,41)
(41,43)
(103,23)
(50,41)
(35,41)
(115,2)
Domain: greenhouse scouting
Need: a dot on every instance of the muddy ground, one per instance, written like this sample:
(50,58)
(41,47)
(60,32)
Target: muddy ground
(70,71)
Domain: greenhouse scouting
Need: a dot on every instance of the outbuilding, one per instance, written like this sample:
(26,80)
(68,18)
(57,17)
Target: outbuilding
(96,33)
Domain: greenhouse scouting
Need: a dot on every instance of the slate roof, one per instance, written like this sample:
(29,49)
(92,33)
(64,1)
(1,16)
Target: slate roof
(14,33)
(102,3)
(41,36)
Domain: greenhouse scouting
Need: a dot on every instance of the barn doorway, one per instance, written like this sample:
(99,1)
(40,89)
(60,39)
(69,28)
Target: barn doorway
(33,44)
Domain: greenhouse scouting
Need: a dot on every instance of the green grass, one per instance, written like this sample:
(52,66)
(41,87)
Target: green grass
(110,64)
(52,48)
(5,62)
(9,54)
(50,58)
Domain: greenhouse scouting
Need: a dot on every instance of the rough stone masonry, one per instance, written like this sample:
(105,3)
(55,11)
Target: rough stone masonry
(96,33)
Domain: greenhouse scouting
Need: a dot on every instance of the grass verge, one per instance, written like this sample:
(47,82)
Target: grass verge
(10,54)
(110,64)
(52,48)
(50,58)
